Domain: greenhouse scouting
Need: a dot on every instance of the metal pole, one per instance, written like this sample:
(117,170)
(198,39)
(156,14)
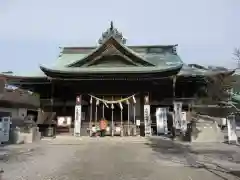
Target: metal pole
(96,111)
(90,124)
(121,118)
(128,119)
(103,116)
(52,91)
(134,114)
(121,109)
(112,118)
(50,131)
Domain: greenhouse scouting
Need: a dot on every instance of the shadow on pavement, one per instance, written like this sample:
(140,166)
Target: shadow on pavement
(9,154)
(183,154)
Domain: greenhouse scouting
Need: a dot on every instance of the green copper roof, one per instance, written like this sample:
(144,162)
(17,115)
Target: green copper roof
(165,59)
(78,63)
(83,70)
(131,59)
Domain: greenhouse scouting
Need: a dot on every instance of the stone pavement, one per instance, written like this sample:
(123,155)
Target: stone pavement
(119,158)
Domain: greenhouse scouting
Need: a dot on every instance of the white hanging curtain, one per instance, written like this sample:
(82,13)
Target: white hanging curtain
(121,106)
(134,100)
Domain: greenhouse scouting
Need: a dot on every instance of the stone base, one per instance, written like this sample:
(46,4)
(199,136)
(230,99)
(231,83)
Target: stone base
(17,137)
(206,131)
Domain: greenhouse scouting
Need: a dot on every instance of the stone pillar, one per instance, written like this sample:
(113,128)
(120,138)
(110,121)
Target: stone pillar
(231,124)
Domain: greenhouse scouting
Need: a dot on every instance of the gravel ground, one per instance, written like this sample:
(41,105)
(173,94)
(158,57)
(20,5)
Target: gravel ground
(119,158)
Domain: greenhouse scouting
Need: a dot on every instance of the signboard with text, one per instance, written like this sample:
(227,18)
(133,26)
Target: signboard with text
(161,121)
(77,122)
(147,121)
(64,121)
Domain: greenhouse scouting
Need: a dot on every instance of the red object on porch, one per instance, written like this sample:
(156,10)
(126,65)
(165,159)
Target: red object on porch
(103,124)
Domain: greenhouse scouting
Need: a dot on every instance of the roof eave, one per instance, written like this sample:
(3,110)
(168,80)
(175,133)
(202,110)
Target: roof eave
(55,72)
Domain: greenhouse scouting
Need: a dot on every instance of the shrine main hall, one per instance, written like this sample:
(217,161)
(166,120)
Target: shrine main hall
(114,81)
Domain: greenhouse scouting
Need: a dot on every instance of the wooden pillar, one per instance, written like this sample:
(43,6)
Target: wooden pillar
(174,79)
(134,117)
(52,102)
(112,129)
(121,119)
(142,125)
(96,112)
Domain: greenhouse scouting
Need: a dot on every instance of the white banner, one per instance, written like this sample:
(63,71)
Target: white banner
(161,120)
(147,121)
(177,114)
(138,122)
(184,121)
(77,123)
(231,123)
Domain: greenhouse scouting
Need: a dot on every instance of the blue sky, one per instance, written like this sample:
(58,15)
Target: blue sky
(32,31)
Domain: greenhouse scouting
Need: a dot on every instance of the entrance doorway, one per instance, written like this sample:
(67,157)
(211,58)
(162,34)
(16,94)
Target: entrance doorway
(118,113)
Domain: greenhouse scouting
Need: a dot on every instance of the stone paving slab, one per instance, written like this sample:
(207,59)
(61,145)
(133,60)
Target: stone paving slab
(109,158)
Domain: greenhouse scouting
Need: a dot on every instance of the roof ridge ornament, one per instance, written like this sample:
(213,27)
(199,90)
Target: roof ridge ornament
(112,32)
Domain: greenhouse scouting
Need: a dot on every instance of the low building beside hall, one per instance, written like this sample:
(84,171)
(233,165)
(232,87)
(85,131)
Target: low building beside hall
(114,81)
(18,103)
(20,107)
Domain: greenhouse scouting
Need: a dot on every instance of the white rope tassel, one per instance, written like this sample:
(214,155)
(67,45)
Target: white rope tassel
(91,100)
(127,101)
(134,100)
(97,102)
(121,106)
(106,105)
(112,106)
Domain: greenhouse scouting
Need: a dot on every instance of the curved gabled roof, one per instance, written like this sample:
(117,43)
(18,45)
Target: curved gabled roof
(111,41)
(134,63)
